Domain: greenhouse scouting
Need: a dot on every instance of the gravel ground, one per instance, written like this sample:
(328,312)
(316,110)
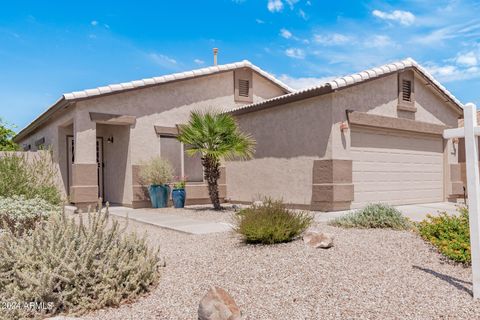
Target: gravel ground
(368,274)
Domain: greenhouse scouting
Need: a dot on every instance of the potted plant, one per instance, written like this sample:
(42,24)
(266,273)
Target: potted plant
(157,173)
(179,194)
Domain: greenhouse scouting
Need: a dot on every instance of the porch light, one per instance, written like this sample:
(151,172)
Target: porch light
(344,126)
(110,139)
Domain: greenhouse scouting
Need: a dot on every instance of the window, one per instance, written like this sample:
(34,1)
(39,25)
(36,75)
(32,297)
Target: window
(183,165)
(171,150)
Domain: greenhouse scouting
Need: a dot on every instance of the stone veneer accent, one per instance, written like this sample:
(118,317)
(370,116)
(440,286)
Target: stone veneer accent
(197,192)
(84,188)
(332,187)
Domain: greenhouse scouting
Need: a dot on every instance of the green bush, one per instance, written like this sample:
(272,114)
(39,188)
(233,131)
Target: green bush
(32,176)
(19,214)
(449,233)
(74,266)
(271,222)
(374,216)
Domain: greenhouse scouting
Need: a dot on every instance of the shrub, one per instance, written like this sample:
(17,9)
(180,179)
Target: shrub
(449,233)
(271,222)
(156,171)
(74,267)
(19,214)
(374,216)
(32,177)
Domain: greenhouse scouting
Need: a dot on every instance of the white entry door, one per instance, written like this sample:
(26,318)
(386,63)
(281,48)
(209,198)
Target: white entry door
(396,168)
(100,163)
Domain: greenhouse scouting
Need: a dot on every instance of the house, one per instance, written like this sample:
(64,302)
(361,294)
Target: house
(373,136)
(368,137)
(101,136)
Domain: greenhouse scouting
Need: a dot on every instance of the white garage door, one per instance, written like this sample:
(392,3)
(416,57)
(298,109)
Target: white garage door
(396,168)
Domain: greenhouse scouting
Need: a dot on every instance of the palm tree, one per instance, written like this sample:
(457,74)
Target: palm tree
(215,136)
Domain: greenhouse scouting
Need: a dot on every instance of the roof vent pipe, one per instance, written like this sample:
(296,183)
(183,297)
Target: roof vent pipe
(215,53)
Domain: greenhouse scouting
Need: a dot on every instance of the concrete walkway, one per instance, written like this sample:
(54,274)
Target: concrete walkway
(416,212)
(170,221)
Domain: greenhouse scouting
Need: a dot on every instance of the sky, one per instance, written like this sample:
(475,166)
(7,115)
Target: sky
(48,48)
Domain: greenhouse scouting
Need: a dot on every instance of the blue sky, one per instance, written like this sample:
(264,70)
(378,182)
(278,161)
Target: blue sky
(51,47)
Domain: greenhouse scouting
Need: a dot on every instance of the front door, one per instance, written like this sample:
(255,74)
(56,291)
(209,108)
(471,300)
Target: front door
(100,164)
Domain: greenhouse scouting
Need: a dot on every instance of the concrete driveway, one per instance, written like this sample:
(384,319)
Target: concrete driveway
(416,212)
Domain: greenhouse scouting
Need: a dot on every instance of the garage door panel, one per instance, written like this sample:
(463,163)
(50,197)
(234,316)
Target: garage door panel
(397,168)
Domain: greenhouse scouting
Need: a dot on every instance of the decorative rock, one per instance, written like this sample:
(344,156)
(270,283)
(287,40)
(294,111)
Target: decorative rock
(257,203)
(217,304)
(316,239)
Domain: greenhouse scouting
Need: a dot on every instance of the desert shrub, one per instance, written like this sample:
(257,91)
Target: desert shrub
(449,233)
(156,171)
(32,177)
(19,214)
(376,215)
(271,222)
(74,266)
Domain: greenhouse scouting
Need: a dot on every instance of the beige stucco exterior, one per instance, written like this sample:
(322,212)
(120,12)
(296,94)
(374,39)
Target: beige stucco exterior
(163,105)
(309,146)
(301,142)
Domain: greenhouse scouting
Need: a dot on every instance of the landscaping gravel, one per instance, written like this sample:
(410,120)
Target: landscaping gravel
(368,274)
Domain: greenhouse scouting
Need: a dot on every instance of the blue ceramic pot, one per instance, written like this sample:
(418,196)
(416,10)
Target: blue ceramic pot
(178,197)
(159,195)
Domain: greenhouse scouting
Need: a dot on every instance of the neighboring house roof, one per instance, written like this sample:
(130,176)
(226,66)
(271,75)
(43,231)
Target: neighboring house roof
(67,98)
(347,81)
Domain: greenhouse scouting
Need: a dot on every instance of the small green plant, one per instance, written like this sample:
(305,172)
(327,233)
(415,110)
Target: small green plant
(375,215)
(180,182)
(29,175)
(19,214)
(449,233)
(74,266)
(156,171)
(271,222)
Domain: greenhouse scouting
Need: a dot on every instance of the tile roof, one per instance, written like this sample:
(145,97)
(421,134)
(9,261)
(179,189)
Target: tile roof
(347,81)
(115,88)
(172,77)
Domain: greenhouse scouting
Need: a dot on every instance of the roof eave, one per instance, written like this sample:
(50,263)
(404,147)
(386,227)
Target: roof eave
(41,119)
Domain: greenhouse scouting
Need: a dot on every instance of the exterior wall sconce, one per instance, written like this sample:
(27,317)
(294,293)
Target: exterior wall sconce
(344,126)
(110,139)
(455,140)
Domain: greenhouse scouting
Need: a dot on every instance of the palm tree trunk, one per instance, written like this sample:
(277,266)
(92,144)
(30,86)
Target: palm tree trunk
(212,174)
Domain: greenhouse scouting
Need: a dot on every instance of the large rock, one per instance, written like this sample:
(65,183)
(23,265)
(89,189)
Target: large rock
(217,304)
(316,239)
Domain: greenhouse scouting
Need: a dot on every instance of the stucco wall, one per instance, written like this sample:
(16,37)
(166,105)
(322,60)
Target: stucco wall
(55,133)
(164,105)
(289,138)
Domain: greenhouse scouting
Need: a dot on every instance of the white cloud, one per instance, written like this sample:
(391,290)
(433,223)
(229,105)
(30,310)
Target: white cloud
(302,14)
(403,17)
(379,41)
(94,23)
(292,3)
(275,5)
(303,82)
(199,61)
(259,21)
(450,72)
(285,33)
(163,60)
(331,39)
(468,59)
(295,53)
